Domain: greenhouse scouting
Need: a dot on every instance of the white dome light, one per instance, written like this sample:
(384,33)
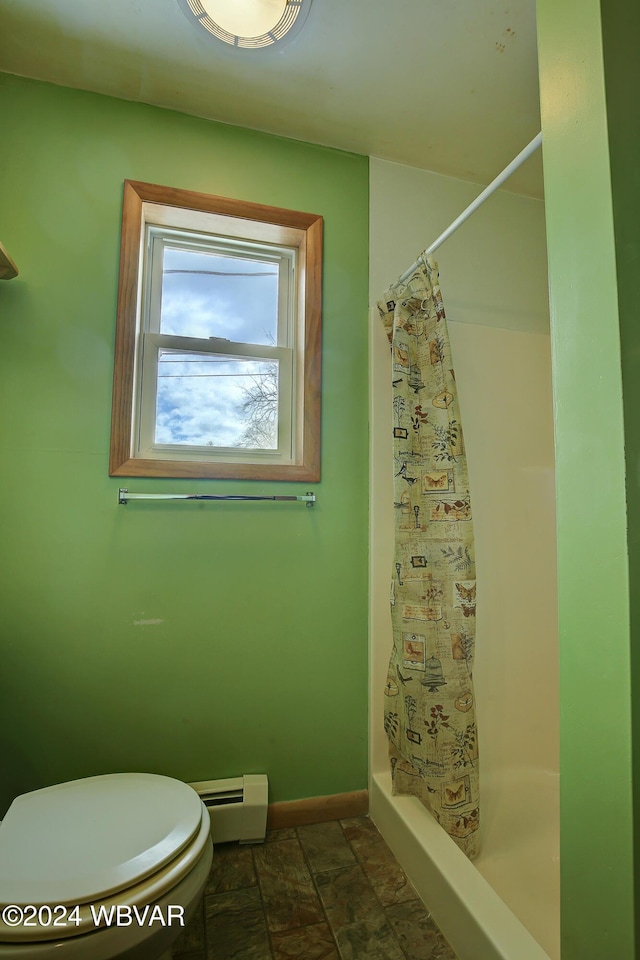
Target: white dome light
(249,24)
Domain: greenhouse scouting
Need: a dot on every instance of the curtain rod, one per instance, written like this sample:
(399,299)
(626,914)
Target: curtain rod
(493,186)
(124,496)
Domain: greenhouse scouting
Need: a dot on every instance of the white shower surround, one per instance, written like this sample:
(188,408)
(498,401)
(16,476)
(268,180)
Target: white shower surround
(493,277)
(464,897)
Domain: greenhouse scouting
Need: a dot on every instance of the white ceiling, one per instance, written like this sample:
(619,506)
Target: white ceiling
(447,85)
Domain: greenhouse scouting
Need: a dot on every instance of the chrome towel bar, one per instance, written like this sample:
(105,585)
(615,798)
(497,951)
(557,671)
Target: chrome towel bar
(124,496)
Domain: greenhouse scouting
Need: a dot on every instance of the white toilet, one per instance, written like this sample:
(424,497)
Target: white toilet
(109,846)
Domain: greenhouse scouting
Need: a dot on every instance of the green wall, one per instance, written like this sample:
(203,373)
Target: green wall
(591,190)
(195,640)
(621,42)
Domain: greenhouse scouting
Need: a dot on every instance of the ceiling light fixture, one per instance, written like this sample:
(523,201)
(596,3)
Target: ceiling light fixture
(249,24)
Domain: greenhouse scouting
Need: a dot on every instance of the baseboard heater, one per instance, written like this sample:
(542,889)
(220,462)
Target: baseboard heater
(237,807)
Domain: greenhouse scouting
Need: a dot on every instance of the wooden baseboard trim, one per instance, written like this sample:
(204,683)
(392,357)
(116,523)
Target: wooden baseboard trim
(298,813)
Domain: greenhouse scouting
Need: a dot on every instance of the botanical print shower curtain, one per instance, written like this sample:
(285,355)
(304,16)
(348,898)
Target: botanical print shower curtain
(429,701)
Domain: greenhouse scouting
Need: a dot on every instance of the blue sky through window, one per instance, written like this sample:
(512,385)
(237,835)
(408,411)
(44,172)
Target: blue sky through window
(200,400)
(209,295)
(200,397)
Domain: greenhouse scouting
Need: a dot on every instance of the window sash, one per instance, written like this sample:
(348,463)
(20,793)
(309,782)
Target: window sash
(284,258)
(147,447)
(152,341)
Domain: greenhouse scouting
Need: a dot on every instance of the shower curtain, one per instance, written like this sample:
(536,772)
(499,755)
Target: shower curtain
(429,711)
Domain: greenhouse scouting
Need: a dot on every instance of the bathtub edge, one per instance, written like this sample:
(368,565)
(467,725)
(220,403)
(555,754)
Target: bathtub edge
(473,918)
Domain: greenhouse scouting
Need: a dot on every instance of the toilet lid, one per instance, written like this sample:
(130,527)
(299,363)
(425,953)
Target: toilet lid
(81,841)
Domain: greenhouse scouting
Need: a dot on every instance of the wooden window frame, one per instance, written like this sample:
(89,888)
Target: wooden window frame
(243,220)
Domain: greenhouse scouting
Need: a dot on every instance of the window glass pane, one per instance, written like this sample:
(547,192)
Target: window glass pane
(210,295)
(216,401)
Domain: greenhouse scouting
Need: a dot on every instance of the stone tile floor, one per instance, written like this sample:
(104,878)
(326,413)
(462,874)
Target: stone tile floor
(330,891)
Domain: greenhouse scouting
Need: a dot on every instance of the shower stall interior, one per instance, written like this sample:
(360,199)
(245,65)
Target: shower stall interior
(494,285)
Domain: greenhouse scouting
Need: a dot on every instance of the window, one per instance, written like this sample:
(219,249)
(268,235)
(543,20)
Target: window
(217,359)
